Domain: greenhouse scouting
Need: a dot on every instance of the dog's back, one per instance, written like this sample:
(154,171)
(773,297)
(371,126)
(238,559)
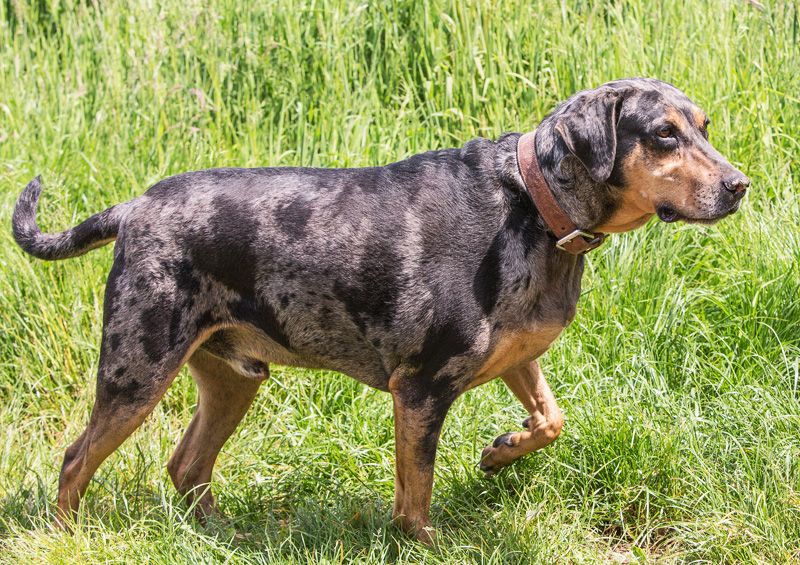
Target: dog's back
(346,269)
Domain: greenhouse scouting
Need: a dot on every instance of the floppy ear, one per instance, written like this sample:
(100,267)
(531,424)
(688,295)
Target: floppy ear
(589,128)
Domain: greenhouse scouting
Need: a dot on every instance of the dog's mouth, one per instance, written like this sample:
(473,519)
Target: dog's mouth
(667,214)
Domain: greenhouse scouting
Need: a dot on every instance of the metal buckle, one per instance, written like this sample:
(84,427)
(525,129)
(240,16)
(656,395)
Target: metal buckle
(593,240)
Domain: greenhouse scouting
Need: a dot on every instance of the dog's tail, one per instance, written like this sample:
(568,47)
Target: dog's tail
(94,232)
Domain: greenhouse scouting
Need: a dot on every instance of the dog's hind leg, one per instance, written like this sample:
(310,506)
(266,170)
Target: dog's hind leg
(145,341)
(543,425)
(223,399)
(123,401)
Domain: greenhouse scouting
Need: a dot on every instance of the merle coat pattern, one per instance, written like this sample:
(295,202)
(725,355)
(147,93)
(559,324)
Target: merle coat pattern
(424,278)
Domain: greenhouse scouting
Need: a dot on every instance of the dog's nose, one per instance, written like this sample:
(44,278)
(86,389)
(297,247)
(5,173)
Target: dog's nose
(736,185)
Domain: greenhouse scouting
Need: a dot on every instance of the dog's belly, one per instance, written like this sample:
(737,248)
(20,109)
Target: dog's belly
(248,351)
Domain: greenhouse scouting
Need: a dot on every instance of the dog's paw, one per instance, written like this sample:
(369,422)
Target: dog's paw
(426,535)
(206,512)
(421,530)
(497,455)
(63,521)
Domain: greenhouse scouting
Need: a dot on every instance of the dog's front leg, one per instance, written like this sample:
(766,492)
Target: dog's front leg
(543,425)
(418,418)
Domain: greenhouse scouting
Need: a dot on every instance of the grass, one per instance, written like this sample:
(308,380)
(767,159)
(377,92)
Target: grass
(679,379)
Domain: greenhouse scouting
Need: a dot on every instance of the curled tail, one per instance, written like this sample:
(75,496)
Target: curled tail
(94,232)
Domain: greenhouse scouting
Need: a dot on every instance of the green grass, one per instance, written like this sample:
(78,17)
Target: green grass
(680,378)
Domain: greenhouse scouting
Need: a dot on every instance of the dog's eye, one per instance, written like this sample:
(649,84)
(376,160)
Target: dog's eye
(665,132)
(704,129)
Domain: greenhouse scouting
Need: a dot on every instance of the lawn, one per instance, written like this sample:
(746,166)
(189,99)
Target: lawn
(679,379)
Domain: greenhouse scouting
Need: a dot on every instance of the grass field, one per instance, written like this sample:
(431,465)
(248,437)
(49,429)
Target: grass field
(679,379)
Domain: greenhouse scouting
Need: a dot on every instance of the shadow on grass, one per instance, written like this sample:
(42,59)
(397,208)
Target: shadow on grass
(304,512)
(259,520)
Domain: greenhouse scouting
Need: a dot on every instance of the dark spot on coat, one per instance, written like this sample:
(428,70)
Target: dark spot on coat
(443,342)
(430,407)
(206,320)
(119,391)
(487,281)
(175,329)
(292,217)
(110,304)
(186,278)
(372,296)
(112,284)
(649,102)
(520,227)
(261,315)
(343,195)
(225,250)
(154,323)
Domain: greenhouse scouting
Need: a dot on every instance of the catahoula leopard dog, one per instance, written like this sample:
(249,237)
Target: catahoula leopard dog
(423,278)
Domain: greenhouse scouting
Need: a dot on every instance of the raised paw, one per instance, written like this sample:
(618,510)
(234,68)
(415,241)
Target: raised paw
(510,446)
(500,454)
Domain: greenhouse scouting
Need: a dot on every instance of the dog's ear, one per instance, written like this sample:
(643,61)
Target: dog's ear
(589,129)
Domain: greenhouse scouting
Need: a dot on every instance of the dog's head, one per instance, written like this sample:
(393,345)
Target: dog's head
(648,140)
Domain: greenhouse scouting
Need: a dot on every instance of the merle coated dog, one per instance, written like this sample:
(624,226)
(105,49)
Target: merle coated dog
(423,278)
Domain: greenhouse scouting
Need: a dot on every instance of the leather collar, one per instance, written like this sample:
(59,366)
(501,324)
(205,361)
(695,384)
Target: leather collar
(570,238)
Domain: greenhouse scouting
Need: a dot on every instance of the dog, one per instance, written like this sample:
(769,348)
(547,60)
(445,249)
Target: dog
(423,278)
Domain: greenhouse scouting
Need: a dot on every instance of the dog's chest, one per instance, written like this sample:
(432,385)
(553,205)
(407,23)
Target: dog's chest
(529,323)
(511,348)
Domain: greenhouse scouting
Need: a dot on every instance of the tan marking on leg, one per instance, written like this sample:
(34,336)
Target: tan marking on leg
(108,427)
(417,425)
(413,475)
(224,397)
(544,424)
(104,434)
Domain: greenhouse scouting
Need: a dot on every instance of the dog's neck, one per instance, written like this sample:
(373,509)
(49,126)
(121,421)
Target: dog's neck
(587,203)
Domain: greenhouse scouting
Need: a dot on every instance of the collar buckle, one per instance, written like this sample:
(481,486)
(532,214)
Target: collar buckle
(589,241)
(576,241)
